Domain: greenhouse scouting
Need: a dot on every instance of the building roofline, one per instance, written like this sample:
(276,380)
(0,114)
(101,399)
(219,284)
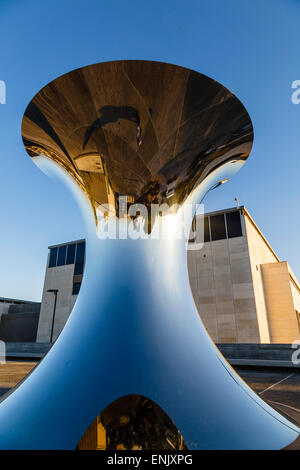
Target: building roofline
(66,243)
(230,209)
(21,301)
(293,278)
(246,213)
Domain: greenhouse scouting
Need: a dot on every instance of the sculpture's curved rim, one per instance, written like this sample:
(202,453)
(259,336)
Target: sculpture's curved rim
(118,132)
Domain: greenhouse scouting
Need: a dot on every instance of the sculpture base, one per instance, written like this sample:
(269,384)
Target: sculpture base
(135,330)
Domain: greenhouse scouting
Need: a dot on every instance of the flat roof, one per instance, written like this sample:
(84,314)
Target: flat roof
(67,243)
(223,211)
(19,301)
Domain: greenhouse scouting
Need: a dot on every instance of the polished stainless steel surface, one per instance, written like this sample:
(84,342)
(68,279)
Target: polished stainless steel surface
(147,130)
(132,423)
(156,133)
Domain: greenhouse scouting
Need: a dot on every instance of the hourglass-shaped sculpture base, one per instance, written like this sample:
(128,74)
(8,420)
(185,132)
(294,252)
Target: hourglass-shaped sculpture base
(135,331)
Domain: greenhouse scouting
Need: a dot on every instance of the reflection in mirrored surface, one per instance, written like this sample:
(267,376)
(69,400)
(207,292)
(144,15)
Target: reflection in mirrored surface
(155,133)
(114,128)
(132,423)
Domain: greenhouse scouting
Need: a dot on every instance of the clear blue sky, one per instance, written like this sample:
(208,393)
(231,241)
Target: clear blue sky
(250,46)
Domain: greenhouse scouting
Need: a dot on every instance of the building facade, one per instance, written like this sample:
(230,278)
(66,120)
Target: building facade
(18,320)
(243,292)
(65,265)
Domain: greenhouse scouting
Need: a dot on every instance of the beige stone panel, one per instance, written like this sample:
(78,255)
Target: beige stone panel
(226,338)
(245,305)
(219,245)
(259,253)
(243,290)
(203,256)
(227,307)
(221,261)
(240,263)
(222,269)
(206,308)
(213,334)
(237,245)
(279,302)
(205,282)
(60,278)
(204,271)
(249,339)
(224,297)
(191,263)
(226,329)
(295,288)
(222,285)
(194,284)
(247,316)
(226,319)
(206,299)
(205,292)
(193,274)
(239,255)
(220,277)
(222,281)
(241,276)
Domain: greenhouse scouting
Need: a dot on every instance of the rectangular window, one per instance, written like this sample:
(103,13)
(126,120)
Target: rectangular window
(78,269)
(61,258)
(217,227)
(234,228)
(76,288)
(71,254)
(206,230)
(80,252)
(52,258)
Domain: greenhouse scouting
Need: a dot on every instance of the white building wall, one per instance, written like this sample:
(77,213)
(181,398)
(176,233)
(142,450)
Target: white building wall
(61,278)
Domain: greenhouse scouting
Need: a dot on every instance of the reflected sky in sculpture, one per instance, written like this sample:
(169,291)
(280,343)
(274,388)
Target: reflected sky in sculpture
(135,312)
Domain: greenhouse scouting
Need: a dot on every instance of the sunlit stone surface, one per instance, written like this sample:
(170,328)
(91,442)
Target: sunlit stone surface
(157,134)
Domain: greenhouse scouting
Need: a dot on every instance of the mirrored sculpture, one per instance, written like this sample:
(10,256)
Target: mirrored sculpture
(139,143)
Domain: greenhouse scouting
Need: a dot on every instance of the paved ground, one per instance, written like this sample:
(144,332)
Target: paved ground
(279,388)
(12,372)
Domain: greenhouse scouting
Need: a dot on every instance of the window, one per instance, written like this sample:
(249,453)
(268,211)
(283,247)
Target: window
(234,228)
(66,254)
(76,288)
(78,269)
(79,263)
(71,254)
(61,258)
(80,252)
(217,227)
(52,258)
(206,230)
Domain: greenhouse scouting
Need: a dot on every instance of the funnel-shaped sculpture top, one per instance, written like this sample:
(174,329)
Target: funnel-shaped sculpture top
(146,130)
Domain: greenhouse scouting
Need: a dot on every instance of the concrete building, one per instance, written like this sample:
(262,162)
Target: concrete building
(18,320)
(243,292)
(65,265)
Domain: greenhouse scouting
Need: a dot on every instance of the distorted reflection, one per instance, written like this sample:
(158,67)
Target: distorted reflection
(132,422)
(118,132)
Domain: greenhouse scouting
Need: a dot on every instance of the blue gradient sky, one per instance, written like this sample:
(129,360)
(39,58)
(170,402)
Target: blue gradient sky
(251,47)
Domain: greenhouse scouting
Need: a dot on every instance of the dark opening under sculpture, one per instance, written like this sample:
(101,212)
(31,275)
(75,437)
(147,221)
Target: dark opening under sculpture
(134,361)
